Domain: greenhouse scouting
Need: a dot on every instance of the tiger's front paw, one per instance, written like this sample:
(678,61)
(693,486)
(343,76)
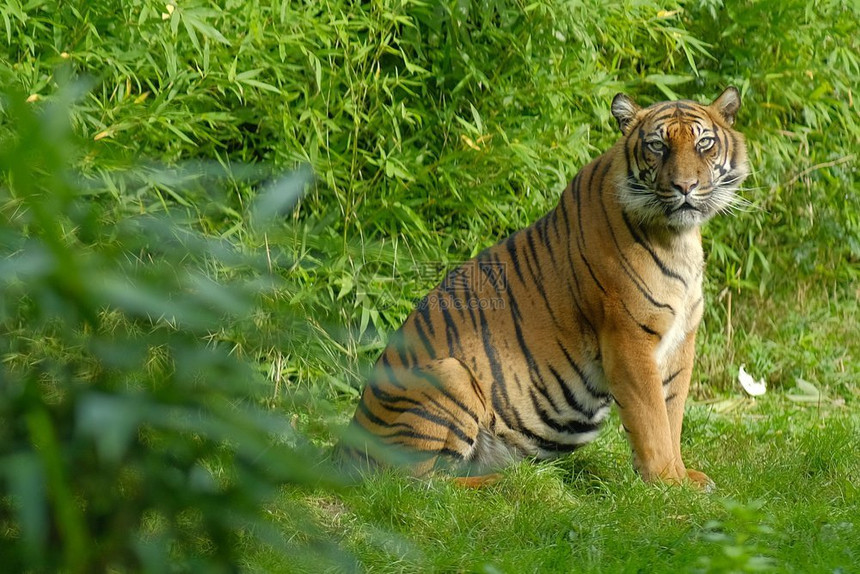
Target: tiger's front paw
(666,474)
(701,480)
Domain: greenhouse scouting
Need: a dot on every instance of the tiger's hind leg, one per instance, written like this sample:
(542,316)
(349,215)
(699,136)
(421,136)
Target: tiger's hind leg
(426,418)
(477,481)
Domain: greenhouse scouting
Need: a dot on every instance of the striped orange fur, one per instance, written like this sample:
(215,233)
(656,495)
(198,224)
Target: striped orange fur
(521,351)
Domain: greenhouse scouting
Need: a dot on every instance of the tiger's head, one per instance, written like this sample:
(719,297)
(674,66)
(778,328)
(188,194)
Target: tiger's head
(684,161)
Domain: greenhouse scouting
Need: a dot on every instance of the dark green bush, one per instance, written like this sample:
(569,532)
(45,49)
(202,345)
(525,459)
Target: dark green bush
(133,437)
(460,117)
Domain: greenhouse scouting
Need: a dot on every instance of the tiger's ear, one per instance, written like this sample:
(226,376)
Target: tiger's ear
(624,110)
(728,104)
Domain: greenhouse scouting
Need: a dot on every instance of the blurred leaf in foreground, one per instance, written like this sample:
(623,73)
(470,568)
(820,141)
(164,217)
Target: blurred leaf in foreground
(131,436)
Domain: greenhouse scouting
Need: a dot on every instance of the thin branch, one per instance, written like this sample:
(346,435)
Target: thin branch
(817,166)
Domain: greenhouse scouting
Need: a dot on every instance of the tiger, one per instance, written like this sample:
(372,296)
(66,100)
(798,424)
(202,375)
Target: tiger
(521,351)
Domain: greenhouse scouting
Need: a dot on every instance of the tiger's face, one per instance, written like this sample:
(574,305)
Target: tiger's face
(684,161)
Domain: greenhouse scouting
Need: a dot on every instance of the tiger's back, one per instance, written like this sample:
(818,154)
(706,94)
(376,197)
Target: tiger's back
(521,350)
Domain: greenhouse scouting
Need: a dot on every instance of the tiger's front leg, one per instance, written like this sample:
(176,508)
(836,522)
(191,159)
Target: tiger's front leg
(676,386)
(629,361)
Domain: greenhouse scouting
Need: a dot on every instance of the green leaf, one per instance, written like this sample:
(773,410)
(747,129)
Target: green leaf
(27,485)
(111,422)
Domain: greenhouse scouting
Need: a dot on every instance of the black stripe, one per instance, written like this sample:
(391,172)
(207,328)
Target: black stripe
(398,343)
(439,421)
(534,370)
(410,433)
(479,392)
(494,270)
(645,328)
(517,319)
(393,378)
(499,387)
(532,250)
(543,226)
(662,117)
(599,185)
(520,428)
(571,427)
(502,410)
(581,238)
(735,147)
(548,241)
(575,289)
(413,356)
(671,377)
(589,386)
(543,390)
(424,311)
(534,271)
(452,334)
(664,269)
(386,399)
(424,339)
(436,384)
(689,105)
(627,267)
(511,246)
(469,299)
(721,148)
(546,444)
(642,326)
(362,407)
(631,156)
(569,397)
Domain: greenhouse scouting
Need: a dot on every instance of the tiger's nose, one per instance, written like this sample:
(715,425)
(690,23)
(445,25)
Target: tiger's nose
(685,186)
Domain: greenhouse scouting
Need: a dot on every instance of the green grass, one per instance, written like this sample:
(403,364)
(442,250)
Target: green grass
(808,334)
(181,307)
(787,497)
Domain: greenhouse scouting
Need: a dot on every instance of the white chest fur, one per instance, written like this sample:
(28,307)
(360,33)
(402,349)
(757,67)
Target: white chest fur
(688,313)
(673,337)
(688,307)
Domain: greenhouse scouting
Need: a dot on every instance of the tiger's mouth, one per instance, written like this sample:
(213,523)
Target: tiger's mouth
(688,203)
(676,203)
(686,206)
(691,211)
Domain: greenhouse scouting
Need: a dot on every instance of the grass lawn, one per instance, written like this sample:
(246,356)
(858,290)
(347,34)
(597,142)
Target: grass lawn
(788,499)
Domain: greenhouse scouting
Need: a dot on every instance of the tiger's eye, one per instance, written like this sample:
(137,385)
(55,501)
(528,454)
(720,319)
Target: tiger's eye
(705,143)
(656,146)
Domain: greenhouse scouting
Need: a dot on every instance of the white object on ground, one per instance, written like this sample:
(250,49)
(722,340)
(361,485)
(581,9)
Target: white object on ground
(753,387)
